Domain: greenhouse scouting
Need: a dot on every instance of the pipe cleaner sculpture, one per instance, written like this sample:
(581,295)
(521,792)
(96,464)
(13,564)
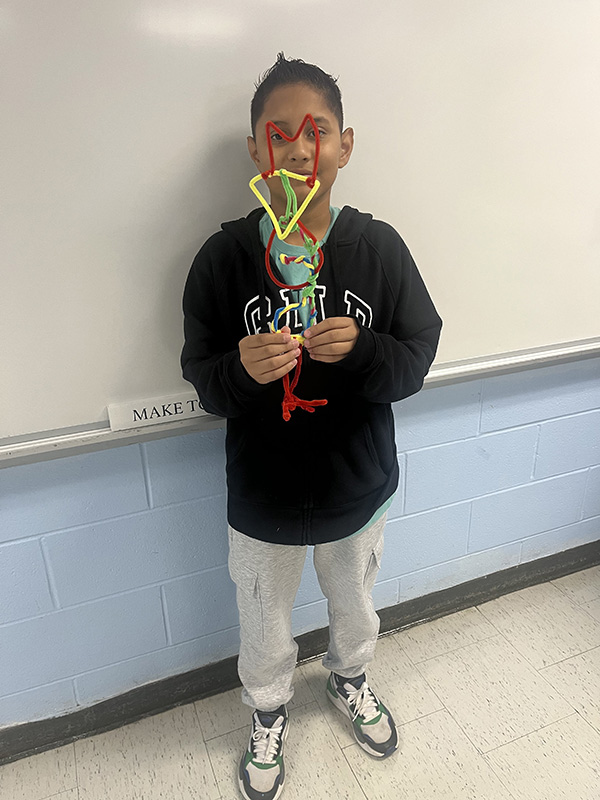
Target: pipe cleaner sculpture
(313,260)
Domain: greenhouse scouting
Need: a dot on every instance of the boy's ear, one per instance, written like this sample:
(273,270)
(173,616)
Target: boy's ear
(347,147)
(253,150)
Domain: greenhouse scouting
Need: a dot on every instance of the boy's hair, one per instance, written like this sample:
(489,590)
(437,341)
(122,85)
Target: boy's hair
(289,71)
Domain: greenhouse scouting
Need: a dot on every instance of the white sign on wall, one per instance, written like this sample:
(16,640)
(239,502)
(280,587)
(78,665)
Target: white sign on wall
(141,413)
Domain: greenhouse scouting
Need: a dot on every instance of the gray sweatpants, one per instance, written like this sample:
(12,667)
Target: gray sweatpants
(267,577)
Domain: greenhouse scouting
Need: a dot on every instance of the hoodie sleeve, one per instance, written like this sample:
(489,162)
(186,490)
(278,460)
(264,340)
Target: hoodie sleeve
(210,360)
(392,365)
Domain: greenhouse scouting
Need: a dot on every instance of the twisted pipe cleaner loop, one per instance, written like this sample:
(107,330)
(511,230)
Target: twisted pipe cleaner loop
(282,227)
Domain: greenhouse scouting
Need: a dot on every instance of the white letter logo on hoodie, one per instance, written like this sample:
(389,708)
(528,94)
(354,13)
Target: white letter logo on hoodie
(358,308)
(252,314)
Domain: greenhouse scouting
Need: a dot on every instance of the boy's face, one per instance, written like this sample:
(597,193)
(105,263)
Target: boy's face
(287,106)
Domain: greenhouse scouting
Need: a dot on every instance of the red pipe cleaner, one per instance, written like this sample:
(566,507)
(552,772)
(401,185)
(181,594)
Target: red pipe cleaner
(290,400)
(310,182)
(268,260)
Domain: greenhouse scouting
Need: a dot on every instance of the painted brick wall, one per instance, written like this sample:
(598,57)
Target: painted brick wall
(113,564)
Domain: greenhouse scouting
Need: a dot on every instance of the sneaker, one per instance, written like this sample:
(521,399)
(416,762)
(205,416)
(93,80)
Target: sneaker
(262,772)
(372,723)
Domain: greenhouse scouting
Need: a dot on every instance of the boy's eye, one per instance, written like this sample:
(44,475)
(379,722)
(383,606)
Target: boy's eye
(277,137)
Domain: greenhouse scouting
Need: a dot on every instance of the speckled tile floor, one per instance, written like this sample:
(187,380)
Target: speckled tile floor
(501,701)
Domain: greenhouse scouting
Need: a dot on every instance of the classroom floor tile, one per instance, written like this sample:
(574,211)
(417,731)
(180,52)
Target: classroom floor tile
(578,681)
(445,634)
(558,762)
(493,693)
(436,759)
(543,624)
(581,587)
(157,757)
(39,776)
(592,608)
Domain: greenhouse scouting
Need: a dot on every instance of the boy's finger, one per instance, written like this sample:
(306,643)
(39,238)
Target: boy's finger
(334,349)
(334,328)
(324,325)
(330,337)
(273,351)
(330,323)
(276,373)
(263,339)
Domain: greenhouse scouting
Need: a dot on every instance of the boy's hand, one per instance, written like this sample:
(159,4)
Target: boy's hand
(332,339)
(269,356)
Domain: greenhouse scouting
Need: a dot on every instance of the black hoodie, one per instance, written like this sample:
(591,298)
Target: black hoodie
(320,476)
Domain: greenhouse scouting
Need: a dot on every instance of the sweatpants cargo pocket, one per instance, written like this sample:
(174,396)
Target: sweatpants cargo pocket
(249,602)
(373,565)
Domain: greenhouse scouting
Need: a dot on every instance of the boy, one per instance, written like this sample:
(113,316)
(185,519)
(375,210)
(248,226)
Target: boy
(327,478)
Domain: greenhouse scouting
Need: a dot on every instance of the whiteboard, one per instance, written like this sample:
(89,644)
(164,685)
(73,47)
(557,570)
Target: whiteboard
(123,131)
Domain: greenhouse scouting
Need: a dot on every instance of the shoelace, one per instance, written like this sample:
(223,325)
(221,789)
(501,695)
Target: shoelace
(364,703)
(266,742)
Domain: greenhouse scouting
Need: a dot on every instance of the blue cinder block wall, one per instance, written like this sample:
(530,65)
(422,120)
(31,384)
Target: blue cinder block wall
(113,565)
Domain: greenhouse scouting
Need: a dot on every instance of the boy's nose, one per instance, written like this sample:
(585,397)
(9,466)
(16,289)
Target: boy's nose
(299,151)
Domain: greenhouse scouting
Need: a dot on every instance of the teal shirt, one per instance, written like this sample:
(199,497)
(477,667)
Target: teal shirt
(293,274)
(379,513)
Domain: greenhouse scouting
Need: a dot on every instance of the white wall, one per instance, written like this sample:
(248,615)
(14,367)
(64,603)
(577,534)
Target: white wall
(124,125)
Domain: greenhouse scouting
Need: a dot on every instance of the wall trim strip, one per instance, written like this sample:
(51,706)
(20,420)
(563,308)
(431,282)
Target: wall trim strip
(47,445)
